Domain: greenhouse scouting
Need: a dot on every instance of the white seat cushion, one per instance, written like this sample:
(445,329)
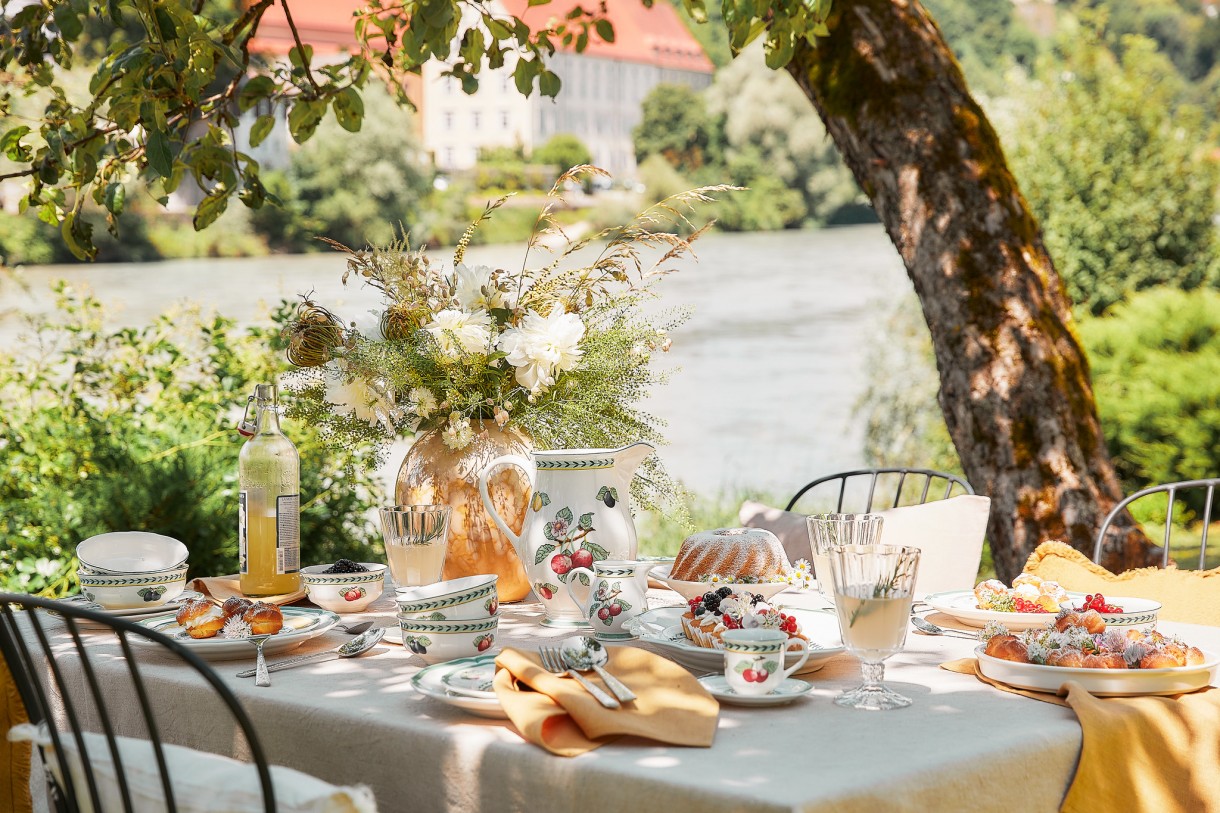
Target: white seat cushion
(202,782)
(949,533)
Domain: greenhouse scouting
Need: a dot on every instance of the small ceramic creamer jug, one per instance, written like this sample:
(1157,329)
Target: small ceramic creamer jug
(579,513)
(614,592)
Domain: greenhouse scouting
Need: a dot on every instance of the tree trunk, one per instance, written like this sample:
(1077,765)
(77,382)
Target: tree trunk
(1014,380)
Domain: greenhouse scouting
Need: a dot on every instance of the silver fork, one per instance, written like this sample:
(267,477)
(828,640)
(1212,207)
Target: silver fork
(552,661)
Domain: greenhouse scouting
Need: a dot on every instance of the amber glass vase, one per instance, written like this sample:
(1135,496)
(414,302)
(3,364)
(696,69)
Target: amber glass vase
(434,474)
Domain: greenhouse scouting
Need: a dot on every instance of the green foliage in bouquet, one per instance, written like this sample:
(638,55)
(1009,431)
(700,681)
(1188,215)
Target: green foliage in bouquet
(561,350)
(132,429)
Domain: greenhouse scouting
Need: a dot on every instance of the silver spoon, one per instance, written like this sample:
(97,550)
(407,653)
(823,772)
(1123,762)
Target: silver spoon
(357,646)
(925,626)
(354,629)
(582,653)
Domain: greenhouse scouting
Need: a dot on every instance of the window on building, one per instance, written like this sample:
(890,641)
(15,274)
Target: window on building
(448,156)
(476,119)
(504,118)
(448,120)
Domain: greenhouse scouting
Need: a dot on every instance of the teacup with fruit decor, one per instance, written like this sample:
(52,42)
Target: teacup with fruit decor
(754,659)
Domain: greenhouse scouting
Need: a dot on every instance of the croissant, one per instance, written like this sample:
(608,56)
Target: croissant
(1007,648)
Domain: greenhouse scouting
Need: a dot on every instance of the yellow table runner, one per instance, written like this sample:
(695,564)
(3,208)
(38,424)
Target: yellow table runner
(1140,754)
(14,756)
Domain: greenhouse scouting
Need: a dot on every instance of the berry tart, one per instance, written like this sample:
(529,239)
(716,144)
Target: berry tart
(709,615)
(1028,594)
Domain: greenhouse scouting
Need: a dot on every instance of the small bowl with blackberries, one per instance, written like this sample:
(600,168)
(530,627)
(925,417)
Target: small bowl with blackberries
(345,586)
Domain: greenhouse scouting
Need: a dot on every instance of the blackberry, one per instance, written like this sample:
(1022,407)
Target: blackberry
(725,592)
(710,597)
(346,566)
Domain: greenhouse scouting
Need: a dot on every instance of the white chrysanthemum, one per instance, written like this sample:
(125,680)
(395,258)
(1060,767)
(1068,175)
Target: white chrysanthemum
(368,325)
(458,331)
(715,578)
(349,395)
(475,290)
(542,347)
(458,434)
(235,627)
(802,567)
(424,401)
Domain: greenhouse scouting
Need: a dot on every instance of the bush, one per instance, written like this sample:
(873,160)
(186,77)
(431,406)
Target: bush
(132,429)
(1114,170)
(563,152)
(1156,361)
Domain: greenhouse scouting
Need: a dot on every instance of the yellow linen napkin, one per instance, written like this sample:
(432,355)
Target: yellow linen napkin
(563,718)
(221,588)
(1154,754)
(14,756)
(1189,596)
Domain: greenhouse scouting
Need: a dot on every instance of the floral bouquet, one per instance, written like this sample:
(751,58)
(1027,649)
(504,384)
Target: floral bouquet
(561,350)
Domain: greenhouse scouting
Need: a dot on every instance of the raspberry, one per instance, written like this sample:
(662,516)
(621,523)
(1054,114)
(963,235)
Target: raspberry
(729,623)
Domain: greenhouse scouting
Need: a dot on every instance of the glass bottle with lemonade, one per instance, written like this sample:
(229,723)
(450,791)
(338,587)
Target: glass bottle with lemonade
(269,507)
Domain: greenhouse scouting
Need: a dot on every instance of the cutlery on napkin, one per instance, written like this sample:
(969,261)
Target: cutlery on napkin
(555,713)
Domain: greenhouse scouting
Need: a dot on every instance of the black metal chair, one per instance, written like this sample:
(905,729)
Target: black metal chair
(1173,490)
(39,667)
(928,476)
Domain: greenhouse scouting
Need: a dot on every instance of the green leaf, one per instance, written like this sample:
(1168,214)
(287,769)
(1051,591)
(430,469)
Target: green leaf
(523,75)
(602,492)
(622,604)
(156,150)
(586,521)
(349,110)
(261,129)
(254,91)
(165,24)
(770,667)
(114,198)
(10,144)
(533,3)
(605,29)
(741,667)
(78,237)
(67,21)
(564,514)
(599,553)
(549,84)
(210,208)
(296,58)
(304,118)
(543,552)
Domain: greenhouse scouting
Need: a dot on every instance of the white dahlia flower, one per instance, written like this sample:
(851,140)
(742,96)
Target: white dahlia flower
(542,347)
(458,331)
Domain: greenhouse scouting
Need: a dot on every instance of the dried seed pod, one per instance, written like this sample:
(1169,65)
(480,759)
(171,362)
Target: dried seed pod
(398,322)
(313,336)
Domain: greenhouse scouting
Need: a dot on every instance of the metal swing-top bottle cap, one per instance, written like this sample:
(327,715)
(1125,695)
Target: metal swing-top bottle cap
(263,394)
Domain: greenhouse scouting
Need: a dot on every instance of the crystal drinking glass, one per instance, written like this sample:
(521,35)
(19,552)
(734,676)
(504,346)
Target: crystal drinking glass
(874,586)
(416,538)
(828,530)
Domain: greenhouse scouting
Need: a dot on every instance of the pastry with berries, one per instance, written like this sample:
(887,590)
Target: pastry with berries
(708,616)
(1028,594)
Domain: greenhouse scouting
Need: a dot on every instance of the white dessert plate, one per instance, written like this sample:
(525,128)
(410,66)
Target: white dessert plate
(662,627)
(785,692)
(472,681)
(300,624)
(962,605)
(689,590)
(430,681)
(1101,682)
(130,552)
(135,613)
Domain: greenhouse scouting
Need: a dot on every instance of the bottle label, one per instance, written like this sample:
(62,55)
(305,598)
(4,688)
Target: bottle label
(288,533)
(243,537)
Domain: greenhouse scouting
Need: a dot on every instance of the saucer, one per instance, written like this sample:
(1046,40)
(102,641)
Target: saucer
(786,692)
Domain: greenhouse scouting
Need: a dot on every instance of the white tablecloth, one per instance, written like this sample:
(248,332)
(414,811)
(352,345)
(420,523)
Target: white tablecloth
(962,746)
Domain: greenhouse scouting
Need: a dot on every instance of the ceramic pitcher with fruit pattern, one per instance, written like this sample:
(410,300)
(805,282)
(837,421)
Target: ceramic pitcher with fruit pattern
(579,513)
(610,594)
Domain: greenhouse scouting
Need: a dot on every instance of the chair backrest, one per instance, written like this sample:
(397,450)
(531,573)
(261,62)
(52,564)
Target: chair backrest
(39,657)
(918,482)
(1173,490)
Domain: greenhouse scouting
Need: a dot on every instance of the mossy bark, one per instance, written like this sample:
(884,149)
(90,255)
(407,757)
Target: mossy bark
(1014,380)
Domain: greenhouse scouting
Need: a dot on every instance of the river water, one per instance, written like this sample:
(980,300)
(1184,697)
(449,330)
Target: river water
(773,359)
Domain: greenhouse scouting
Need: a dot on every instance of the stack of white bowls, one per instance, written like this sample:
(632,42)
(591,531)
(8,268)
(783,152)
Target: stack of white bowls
(130,570)
(450,619)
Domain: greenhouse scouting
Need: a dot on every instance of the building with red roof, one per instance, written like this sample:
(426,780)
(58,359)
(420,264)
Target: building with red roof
(599,102)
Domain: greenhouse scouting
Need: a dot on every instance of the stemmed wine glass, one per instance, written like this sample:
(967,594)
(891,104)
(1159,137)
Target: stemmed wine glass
(828,530)
(874,586)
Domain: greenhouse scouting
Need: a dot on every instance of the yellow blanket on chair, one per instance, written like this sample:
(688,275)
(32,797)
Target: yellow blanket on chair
(1189,596)
(14,756)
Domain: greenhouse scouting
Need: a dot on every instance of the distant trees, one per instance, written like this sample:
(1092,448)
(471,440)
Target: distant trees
(563,152)
(1117,171)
